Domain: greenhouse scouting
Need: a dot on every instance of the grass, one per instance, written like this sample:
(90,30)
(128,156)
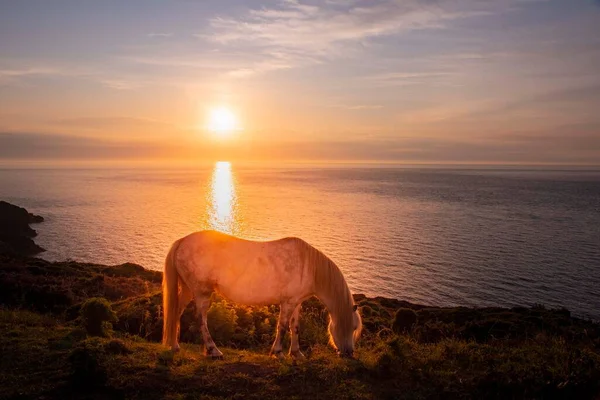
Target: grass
(407,351)
(43,357)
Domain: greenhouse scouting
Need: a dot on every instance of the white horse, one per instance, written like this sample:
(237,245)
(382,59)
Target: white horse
(285,271)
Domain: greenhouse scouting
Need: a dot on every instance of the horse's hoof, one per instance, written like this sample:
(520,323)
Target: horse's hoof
(297,355)
(217,357)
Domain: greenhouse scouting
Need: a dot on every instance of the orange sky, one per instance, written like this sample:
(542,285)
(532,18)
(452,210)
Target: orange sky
(510,81)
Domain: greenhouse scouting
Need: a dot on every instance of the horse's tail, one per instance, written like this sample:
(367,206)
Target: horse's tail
(170,286)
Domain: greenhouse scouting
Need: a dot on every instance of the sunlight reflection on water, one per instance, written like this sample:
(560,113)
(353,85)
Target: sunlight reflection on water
(222,204)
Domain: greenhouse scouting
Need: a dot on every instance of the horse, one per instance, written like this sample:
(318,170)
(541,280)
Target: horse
(285,271)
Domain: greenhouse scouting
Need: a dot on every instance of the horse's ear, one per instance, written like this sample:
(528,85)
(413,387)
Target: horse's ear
(355,307)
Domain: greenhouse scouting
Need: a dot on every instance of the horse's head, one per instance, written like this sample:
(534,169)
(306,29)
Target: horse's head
(344,334)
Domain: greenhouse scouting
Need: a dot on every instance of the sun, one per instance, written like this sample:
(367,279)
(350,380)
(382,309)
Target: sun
(222,121)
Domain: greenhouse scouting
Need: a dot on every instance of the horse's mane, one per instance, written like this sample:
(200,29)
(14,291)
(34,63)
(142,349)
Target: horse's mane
(329,281)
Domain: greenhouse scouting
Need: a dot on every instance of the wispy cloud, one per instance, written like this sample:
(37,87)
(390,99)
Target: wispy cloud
(100,123)
(579,147)
(12,75)
(305,34)
(121,84)
(357,106)
(409,78)
(365,107)
(159,35)
(20,73)
(9,73)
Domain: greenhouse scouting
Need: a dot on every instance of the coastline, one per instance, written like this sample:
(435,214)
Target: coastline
(42,298)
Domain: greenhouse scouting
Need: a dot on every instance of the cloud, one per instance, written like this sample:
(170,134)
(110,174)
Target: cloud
(410,78)
(273,63)
(16,74)
(9,73)
(582,98)
(567,145)
(22,73)
(365,107)
(305,34)
(15,146)
(121,84)
(357,106)
(112,122)
(159,35)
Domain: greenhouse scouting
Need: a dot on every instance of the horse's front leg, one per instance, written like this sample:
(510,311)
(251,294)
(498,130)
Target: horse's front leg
(202,305)
(295,328)
(285,311)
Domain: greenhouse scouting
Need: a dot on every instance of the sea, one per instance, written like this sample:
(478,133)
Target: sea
(441,236)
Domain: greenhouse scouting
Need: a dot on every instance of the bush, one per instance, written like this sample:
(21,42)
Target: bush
(404,320)
(312,331)
(141,316)
(97,316)
(222,320)
(117,346)
(367,311)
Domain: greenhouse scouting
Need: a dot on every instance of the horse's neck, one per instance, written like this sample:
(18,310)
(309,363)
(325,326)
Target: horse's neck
(330,304)
(329,284)
(334,300)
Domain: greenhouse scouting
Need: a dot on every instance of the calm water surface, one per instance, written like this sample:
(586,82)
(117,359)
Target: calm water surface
(438,237)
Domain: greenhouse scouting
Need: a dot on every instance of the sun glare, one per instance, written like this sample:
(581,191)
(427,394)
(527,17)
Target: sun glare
(222,121)
(222,199)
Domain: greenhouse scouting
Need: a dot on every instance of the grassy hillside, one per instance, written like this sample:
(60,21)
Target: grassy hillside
(407,351)
(52,313)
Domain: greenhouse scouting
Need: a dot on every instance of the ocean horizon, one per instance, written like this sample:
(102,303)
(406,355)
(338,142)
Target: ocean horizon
(435,235)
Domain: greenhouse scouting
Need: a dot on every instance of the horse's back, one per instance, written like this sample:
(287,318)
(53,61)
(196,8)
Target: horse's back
(245,271)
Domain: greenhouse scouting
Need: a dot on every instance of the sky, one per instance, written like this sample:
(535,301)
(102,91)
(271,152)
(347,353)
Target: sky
(403,81)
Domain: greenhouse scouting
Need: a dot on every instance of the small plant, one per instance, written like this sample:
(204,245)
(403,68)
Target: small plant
(97,316)
(223,321)
(366,311)
(404,320)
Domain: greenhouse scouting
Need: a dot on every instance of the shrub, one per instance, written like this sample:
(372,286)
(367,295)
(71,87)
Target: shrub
(404,320)
(222,321)
(312,331)
(97,316)
(367,311)
(141,316)
(265,331)
(117,346)
(371,308)
(435,331)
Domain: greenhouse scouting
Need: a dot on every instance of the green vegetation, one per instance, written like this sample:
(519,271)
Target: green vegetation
(50,314)
(97,316)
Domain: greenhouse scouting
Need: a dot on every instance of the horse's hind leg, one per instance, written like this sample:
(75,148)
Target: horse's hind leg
(202,305)
(295,328)
(185,296)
